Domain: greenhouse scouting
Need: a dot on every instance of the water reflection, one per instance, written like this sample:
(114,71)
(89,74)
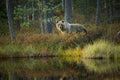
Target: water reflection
(65,68)
(102,66)
(35,69)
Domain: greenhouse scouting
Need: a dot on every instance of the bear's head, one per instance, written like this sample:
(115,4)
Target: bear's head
(60,25)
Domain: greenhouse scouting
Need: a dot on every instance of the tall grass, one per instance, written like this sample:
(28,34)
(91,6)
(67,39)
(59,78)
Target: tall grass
(101,49)
(24,51)
(39,44)
(9,50)
(76,52)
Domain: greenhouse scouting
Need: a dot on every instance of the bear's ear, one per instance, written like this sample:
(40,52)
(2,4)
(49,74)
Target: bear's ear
(57,21)
(63,21)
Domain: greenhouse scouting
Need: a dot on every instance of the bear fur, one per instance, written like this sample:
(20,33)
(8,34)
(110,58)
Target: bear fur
(60,25)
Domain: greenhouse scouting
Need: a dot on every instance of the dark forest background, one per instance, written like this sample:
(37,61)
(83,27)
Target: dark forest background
(43,14)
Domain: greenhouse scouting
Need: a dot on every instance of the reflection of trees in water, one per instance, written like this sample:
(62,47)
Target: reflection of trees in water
(102,66)
(64,68)
(42,68)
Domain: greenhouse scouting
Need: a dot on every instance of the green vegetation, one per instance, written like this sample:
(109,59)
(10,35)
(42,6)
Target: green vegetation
(32,46)
(71,52)
(99,43)
(101,49)
(37,45)
(36,35)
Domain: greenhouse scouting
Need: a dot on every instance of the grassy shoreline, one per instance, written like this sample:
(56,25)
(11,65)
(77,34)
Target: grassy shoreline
(99,49)
(97,43)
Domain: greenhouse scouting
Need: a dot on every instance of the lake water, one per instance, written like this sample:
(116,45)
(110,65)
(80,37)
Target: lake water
(68,68)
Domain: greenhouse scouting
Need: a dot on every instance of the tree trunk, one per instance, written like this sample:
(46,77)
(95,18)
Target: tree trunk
(67,13)
(44,17)
(68,10)
(49,22)
(111,10)
(18,24)
(48,17)
(86,11)
(41,17)
(28,20)
(33,17)
(9,14)
(13,76)
(63,4)
(28,17)
(97,13)
(107,13)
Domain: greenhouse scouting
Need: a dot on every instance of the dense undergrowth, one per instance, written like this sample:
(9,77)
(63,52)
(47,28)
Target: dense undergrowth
(100,41)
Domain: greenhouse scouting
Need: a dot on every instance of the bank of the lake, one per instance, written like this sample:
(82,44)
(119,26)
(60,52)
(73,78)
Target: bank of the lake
(100,42)
(98,49)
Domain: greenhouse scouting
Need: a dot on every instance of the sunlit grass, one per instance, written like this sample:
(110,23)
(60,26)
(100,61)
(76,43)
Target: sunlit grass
(71,52)
(101,49)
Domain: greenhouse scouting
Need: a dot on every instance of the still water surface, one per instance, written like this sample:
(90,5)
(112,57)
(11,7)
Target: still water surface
(67,68)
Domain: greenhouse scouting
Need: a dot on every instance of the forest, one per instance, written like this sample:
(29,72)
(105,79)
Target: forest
(28,28)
